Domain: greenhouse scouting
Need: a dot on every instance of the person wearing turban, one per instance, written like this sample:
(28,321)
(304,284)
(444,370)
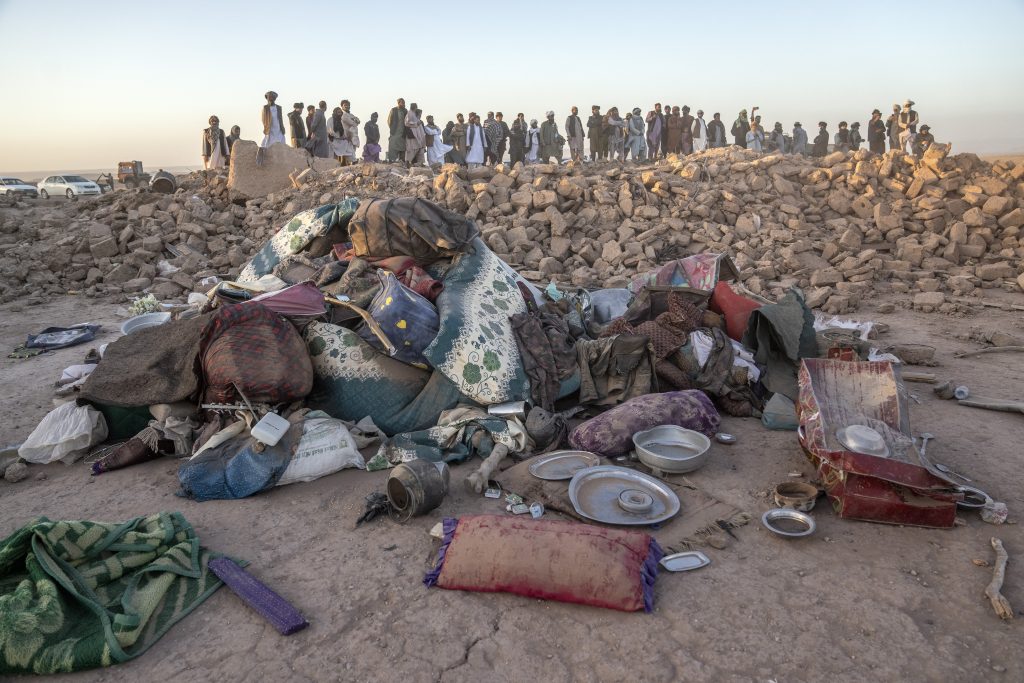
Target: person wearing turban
(273,121)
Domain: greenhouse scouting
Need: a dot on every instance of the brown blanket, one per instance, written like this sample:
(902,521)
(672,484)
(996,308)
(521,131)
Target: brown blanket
(153,365)
(701,516)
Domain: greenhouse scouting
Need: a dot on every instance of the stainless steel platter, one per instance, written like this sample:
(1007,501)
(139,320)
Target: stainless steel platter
(616,495)
(562,464)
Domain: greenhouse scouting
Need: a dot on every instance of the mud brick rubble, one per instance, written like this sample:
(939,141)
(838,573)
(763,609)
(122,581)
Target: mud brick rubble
(840,227)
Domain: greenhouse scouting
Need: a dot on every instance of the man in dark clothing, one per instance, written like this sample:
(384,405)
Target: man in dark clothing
(505,132)
(396,131)
(740,128)
(923,141)
(517,140)
(716,132)
(297,126)
(595,127)
(892,127)
(876,133)
(820,141)
(371,150)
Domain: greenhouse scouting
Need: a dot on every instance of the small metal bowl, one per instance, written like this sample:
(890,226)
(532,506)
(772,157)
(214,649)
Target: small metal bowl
(671,449)
(863,439)
(772,518)
(796,495)
(634,500)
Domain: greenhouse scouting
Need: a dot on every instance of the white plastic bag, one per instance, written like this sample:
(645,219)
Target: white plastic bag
(66,433)
(326,447)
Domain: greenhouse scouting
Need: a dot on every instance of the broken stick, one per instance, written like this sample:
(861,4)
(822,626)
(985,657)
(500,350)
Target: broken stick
(999,603)
(990,349)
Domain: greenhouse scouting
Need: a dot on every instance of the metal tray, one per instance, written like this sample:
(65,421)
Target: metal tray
(558,465)
(684,562)
(595,494)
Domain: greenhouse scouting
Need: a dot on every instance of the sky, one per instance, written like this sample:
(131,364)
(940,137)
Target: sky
(88,84)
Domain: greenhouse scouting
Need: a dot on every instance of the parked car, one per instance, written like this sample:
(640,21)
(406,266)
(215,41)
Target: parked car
(70,186)
(16,186)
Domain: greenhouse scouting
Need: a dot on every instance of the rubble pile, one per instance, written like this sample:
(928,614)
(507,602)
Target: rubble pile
(839,227)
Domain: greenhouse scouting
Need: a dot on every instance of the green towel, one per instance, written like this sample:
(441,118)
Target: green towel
(78,595)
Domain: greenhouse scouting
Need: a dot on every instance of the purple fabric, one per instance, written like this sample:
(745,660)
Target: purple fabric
(611,433)
(649,573)
(448,525)
(275,609)
(301,300)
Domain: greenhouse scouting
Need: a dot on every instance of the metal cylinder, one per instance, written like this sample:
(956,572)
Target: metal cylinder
(417,487)
(163,182)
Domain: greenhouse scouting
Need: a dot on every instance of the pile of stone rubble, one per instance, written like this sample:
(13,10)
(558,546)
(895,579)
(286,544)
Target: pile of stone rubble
(840,227)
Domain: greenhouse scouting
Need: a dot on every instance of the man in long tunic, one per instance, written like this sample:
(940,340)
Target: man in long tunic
(350,133)
(415,140)
(908,127)
(273,121)
(615,130)
(799,140)
(396,128)
(636,144)
(892,127)
(459,140)
(673,132)
(371,150)
(550,140)
(740,128)
(876,133)
(686,135)
(700,132)
(716,131)
(475,141)
(505,133)
(298,128)
(595,131)
(318,134)
(655,130)
(517,140)
(574,132)
(493,133)
(215,145)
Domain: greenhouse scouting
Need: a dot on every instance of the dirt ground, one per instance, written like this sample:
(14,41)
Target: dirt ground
(856,601)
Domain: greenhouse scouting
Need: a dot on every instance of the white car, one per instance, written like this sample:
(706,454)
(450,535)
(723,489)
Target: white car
(15,186)
(70,186)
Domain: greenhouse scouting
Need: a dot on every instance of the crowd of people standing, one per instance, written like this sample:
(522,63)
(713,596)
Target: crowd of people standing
(413,140)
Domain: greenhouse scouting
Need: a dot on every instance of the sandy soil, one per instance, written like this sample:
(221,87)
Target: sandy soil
(855,602)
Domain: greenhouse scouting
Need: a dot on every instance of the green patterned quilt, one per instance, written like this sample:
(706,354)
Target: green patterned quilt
(79,595)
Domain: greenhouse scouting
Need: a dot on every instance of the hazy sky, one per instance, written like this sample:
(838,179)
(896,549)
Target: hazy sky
(86,84)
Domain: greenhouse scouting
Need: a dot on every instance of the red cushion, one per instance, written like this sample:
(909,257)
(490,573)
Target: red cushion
(735,307)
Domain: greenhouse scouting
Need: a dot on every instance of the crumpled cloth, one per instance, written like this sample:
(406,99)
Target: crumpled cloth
(780,335)
(460,433)
(548,354)
(614,369)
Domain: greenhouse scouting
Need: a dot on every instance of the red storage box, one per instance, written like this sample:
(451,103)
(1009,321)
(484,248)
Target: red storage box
(898,489)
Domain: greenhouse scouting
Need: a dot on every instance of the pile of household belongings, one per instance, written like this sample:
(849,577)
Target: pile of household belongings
(391,320)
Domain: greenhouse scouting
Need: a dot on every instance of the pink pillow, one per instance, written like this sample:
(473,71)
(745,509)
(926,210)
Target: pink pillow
(548,559)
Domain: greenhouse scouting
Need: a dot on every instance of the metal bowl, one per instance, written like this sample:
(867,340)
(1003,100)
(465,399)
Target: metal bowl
(141,322)
(672,449)
(863,439)
(772,519)
(796,495)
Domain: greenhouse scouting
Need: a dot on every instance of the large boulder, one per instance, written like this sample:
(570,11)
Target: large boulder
(247,180)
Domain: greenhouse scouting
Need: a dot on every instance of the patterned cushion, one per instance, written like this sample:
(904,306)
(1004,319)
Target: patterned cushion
(476,348)
(351,380)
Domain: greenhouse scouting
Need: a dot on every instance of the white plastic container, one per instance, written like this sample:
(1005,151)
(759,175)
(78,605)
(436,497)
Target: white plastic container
(270,429)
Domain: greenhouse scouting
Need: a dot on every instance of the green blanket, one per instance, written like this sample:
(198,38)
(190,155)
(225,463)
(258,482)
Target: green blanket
(78,595)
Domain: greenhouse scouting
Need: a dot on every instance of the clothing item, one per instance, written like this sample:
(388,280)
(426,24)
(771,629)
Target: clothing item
(437,149)
(318,135)
(475,144)
(396,137)
(700,134)
(273,126)
(214,148)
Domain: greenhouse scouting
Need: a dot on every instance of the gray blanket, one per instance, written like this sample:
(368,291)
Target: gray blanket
(780,335)
(153,365)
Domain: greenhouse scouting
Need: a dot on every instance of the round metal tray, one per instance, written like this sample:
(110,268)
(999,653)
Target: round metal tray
(770,519)
(595,493)
(558,465)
